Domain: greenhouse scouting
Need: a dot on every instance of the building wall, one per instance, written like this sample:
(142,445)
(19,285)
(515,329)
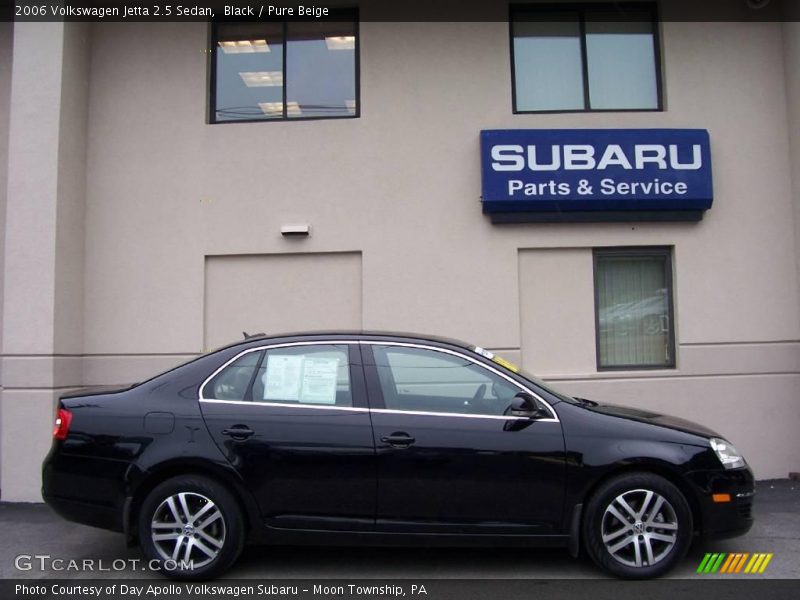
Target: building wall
(70,234)
(791,48)
(6,45)
(42,271)
(280,292)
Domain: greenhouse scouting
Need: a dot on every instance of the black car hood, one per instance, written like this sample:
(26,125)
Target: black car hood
(643,416)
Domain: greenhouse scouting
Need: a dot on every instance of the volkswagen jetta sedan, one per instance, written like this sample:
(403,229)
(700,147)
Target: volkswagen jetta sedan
(373,438)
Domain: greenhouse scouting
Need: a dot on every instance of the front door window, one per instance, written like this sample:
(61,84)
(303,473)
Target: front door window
(423,380)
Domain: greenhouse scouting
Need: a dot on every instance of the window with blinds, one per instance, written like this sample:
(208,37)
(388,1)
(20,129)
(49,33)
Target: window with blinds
(633,308)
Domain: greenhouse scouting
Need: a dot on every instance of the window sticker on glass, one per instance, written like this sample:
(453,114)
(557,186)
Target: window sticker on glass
(493,357)
(283,377)
(319,380)
(484,353)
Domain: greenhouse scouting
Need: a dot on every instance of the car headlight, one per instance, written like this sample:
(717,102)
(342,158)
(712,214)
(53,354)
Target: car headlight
(727,454)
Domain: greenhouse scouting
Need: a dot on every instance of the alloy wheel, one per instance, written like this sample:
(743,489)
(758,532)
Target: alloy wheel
(639,528)
(188,527)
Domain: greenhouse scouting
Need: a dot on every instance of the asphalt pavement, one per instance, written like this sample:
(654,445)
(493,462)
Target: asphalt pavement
(29,532)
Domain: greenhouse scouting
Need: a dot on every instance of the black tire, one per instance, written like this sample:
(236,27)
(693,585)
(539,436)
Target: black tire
(214,541)
(666,516)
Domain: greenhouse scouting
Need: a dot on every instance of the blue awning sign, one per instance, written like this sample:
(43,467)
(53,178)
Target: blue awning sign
(564,170)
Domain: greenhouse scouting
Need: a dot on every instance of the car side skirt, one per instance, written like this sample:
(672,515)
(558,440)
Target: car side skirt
(303,537)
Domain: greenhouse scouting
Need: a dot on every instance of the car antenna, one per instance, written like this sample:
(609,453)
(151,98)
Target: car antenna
(248,336)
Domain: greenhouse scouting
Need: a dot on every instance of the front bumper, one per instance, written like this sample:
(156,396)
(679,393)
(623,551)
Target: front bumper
(724,519)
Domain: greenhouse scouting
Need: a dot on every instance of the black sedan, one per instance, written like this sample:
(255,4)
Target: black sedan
(374,438)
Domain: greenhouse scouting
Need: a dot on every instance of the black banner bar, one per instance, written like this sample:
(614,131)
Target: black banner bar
(370,10)
(731,588)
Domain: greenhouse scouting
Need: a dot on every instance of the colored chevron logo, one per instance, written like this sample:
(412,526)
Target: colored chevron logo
(735,563)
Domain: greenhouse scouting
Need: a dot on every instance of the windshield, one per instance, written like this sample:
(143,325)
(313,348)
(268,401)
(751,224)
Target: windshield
(521,372)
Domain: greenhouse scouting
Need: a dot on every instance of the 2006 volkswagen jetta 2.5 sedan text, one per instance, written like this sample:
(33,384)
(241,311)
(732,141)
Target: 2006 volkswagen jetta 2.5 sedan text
(377,438)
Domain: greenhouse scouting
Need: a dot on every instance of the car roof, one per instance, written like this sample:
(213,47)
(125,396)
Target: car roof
(260,338)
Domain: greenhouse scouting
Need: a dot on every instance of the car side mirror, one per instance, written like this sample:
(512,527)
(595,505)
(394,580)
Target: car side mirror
(525,405)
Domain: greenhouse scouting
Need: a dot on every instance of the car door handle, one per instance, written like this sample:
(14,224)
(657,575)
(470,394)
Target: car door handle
(238,432)
(398,440)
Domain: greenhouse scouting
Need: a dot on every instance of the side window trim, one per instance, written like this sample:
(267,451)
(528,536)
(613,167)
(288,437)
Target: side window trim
(374,390)
(367,364)
(374,383)
(248,395)
(358,384)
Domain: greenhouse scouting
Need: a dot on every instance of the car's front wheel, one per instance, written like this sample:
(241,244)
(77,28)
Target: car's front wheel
(637,526)
(191,527)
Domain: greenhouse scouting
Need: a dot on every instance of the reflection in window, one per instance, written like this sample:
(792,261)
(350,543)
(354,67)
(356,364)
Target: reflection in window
(320,66)
(585,59)
(415,379)
(232,382)
(634,301)
(249,71)
(284,70)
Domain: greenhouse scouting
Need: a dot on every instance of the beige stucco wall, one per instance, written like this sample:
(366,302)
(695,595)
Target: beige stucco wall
(73,131)
(791,48)
(6,45)
(411,162)
(43,277)
(280,292)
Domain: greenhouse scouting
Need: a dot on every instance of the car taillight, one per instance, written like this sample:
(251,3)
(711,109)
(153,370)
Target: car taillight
(63,419)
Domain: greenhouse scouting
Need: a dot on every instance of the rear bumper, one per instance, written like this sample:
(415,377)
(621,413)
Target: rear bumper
(99,503)
(725,519)
(95,515)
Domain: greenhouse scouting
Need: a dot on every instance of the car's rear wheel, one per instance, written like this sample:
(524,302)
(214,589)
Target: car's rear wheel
(637,526)
(191,527)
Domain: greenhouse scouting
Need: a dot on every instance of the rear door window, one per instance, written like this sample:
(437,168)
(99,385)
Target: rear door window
(233,382)
(307,375)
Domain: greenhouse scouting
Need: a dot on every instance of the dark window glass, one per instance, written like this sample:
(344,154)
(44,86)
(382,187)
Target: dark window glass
(597,58)
(232,382)
(248,71)
(633,288)
(285,70)
(415,379)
